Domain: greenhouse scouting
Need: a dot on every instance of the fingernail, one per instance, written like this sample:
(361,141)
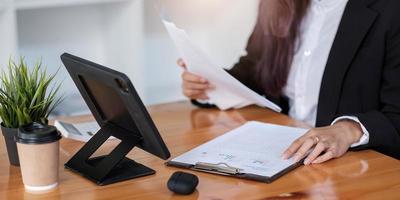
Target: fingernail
(306,161)
(203,80)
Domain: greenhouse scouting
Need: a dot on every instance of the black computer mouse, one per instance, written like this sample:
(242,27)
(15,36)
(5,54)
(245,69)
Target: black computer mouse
(182,183)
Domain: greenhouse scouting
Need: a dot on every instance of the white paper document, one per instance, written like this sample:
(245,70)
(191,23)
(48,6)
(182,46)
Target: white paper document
(229,92)
(254,148)
(78,131)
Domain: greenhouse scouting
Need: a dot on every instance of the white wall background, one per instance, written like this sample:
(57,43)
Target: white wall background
(126,35)
(221,27)
(8,34)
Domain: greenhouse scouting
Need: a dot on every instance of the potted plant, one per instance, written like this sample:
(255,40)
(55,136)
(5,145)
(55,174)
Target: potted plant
(26,96)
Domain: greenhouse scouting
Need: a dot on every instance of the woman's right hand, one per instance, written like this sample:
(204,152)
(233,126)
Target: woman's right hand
(194,86)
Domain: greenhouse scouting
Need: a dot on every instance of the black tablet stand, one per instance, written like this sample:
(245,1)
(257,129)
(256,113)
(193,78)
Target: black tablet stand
(110,168)
(120,112)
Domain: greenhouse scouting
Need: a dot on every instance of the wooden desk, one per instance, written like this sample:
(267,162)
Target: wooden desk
(361,175)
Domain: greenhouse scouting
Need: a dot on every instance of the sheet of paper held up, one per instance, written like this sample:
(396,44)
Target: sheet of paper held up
(254,148)
(229,92)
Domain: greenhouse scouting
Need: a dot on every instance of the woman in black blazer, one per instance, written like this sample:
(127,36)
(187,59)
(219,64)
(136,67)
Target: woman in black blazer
(361,77)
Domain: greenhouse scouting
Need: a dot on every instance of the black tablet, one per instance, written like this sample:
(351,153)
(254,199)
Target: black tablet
(119,111)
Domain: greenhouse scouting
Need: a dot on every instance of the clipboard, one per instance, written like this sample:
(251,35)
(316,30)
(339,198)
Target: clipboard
(227,169)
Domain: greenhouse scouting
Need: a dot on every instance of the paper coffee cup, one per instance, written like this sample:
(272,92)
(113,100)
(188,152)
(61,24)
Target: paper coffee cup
(38,151)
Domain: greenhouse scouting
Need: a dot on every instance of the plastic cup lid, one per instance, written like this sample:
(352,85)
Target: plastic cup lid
(37,133)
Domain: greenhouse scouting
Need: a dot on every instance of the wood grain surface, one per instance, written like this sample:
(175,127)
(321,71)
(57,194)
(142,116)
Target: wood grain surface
(357,175)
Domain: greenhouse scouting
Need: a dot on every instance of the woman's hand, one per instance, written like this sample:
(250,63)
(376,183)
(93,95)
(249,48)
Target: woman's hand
(194,87)
(333,140)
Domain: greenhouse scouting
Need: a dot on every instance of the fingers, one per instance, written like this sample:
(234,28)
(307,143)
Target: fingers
(292,149)
(201,97)
(330,140)
(181,63)
(319,148)
(189,77)
(303,150)
(197,86)
(195,94)
(324,157)
(194,86)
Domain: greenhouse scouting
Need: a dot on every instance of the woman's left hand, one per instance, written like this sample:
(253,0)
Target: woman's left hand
(333,140)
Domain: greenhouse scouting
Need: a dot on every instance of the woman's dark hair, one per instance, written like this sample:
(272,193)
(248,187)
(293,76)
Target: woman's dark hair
(280,21)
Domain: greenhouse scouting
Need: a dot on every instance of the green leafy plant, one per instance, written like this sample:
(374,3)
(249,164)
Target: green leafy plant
(26,95)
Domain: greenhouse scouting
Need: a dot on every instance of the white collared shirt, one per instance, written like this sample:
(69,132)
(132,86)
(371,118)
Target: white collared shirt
(318,31)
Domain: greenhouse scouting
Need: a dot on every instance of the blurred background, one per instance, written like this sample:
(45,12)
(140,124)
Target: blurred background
(126,35)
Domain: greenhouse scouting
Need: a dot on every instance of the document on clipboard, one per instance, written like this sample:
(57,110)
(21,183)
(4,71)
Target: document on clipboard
(252,151)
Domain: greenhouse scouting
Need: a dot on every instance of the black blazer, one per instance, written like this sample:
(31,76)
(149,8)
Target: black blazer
(362,76)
